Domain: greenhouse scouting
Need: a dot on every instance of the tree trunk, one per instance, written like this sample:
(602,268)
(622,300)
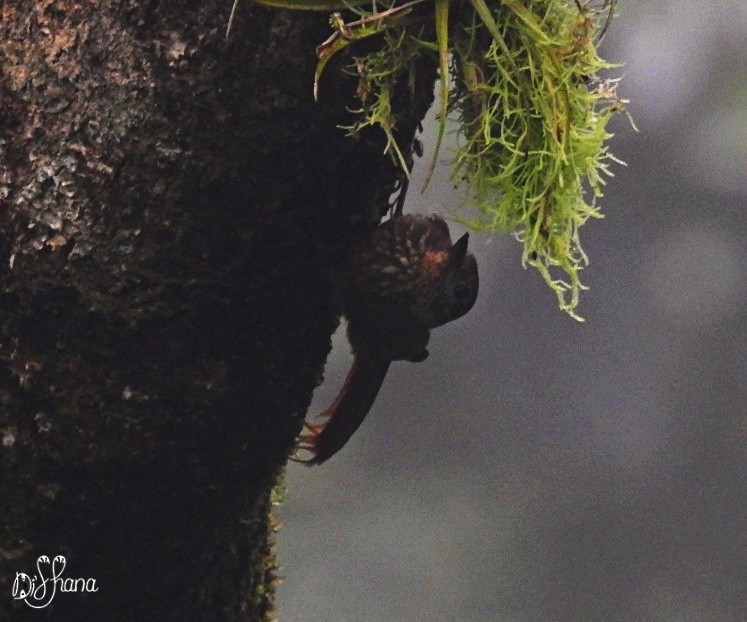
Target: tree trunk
(176,210)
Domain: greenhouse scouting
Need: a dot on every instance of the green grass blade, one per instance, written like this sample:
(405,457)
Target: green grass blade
(442,39)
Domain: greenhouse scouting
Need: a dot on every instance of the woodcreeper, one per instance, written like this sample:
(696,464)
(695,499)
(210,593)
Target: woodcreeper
(405,280)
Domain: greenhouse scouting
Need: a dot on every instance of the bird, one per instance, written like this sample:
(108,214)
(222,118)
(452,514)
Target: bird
(404,280)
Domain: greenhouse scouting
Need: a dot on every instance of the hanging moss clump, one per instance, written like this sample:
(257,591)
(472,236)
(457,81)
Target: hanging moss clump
(523,82)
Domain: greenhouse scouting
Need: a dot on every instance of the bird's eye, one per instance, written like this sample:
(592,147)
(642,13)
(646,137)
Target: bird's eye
(461,291)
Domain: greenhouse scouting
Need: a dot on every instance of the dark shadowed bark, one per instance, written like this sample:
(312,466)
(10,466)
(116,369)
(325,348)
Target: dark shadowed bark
(175,211)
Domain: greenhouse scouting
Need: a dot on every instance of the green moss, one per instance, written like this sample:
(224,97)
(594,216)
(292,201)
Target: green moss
(531,109)
(380,73)
(263,566)
(533,132)
(279,490)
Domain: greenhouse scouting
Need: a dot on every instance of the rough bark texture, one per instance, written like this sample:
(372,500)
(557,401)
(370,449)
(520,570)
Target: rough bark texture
(175,212)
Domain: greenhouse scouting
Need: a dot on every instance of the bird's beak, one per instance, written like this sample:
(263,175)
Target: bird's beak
(459,250)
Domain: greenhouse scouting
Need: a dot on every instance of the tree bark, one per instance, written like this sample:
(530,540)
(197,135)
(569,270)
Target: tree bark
(176,212)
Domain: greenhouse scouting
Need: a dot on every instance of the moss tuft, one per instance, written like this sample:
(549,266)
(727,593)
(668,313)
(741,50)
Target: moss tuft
(531,107)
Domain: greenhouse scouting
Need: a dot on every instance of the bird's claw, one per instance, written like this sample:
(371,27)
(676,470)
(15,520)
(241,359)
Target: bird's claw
(307,442)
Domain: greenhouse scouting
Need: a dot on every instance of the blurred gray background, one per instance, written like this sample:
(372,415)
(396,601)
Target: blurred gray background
(538,469)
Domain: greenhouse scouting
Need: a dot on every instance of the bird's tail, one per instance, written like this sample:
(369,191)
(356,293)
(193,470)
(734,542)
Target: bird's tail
(348,411)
